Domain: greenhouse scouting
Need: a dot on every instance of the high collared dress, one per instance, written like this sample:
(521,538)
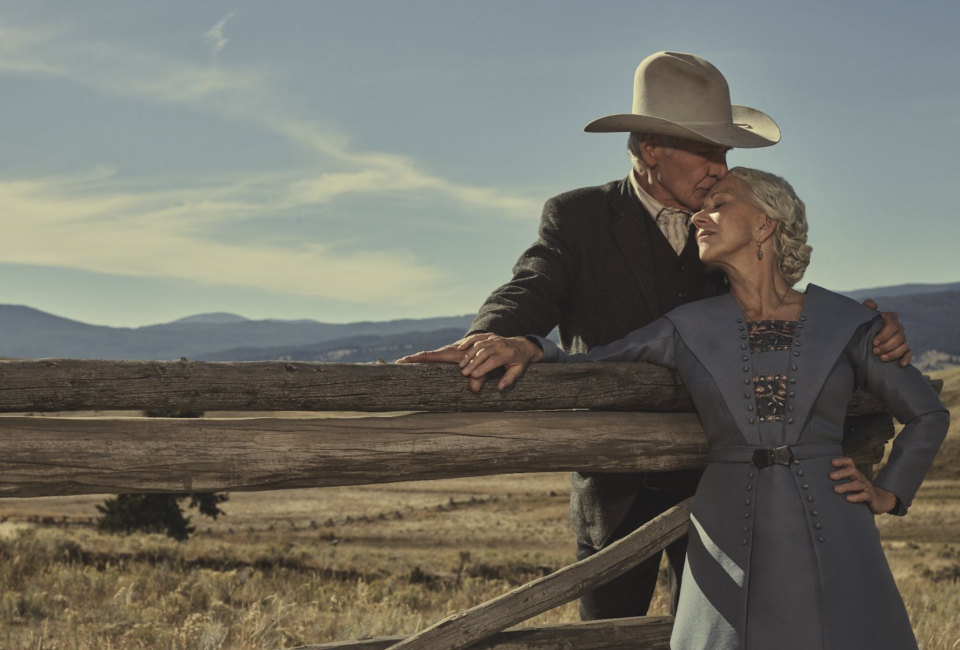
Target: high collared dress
(776,558)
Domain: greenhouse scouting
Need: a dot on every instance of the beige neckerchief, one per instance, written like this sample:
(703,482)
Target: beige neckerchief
(672,222)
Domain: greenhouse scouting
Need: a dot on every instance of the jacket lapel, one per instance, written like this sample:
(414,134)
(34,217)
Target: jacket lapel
(715,331)
(827,322)
(630,228)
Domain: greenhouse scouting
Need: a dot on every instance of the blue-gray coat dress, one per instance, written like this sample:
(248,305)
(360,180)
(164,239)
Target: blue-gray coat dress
(777,559)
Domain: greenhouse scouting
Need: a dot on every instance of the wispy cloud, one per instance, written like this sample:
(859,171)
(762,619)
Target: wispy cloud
(241,93)
(60,222)
(22,50)
(93,222)
(386,178)
(214,36)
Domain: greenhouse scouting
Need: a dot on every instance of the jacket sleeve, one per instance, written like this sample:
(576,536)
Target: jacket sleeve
(908,396)
(531,303)
(654,343)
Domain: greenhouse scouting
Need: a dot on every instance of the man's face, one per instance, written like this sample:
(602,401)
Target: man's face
(683,178)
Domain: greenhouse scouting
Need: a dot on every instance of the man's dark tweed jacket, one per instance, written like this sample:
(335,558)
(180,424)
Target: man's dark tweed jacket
(599,269)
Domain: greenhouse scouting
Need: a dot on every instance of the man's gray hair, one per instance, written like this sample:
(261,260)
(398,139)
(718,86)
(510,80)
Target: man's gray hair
(779,201)
(634,140)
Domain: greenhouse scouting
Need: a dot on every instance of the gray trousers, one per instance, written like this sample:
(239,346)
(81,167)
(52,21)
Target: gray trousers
(631,593)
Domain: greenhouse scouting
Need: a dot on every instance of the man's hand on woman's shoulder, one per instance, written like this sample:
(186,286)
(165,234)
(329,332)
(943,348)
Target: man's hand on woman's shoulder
(890,343)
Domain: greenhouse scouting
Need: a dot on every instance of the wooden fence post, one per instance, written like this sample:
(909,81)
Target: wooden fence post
(466,628)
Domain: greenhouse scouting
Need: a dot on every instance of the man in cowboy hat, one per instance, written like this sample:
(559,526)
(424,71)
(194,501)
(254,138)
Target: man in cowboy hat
(612,258)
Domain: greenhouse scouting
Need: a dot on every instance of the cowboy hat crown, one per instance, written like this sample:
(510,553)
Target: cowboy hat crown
(686,96)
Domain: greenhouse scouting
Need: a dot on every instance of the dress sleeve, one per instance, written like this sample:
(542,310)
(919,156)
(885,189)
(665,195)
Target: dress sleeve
(531,303)
(908,396)
(654,343)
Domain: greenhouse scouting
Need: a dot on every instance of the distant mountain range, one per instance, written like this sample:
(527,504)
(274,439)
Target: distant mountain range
(353,349)
(931,314)
(901,290)
(932,321)
(29,333)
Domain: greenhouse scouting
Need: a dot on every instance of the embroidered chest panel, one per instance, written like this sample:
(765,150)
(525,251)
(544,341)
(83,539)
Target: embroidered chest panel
(771,335)
(770,390)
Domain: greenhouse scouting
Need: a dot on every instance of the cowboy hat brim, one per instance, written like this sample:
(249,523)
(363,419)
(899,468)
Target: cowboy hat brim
(749,128)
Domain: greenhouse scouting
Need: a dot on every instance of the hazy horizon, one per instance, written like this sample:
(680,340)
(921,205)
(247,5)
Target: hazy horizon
(929,288)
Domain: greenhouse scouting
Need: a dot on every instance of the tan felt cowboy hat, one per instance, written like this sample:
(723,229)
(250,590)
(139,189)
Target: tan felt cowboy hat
(682,95)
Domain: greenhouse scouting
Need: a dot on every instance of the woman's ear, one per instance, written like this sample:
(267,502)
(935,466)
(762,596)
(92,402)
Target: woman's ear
(767,227)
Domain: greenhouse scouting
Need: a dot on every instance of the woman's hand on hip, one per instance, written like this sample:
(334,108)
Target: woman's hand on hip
(859,489)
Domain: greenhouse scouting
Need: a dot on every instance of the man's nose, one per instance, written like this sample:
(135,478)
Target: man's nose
(720,169)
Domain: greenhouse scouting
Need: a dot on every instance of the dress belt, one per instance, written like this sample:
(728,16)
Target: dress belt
(766,456)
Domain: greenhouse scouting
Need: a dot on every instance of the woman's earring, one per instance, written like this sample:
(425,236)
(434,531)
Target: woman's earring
(759,251)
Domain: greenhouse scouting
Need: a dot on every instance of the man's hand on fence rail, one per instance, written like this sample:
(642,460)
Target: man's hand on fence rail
(479,354)
(447,354)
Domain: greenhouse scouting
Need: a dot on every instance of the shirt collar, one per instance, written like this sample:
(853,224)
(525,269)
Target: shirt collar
(652,205)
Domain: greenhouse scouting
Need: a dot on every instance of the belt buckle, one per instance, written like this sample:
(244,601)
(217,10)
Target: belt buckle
(767,457)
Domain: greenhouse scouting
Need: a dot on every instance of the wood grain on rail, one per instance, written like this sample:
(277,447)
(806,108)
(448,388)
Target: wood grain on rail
(47,385)
(59,456)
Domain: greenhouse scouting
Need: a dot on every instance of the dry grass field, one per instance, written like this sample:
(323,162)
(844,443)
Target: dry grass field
(290,568)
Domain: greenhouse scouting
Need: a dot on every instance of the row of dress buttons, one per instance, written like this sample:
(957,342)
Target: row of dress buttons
(810,499)
(746,380)
(793,368)
(746,515)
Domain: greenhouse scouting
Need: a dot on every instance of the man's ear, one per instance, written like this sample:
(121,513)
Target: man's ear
(650,150)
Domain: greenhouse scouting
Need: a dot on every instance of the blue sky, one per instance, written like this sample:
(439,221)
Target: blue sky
(364,160)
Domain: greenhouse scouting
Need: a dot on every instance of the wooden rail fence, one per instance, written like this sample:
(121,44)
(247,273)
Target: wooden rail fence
(586,417)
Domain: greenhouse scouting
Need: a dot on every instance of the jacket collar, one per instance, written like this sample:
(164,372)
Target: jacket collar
(717,333)
(630,228)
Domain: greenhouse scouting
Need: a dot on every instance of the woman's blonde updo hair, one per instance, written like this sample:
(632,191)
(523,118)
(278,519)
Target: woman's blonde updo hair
(778,201)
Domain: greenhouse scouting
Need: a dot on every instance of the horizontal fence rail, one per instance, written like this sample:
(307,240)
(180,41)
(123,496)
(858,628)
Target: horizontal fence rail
(47,385)
(646,633)
(61,456)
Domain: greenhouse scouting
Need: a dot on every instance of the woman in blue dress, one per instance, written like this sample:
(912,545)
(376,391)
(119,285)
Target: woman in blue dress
(783,550)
